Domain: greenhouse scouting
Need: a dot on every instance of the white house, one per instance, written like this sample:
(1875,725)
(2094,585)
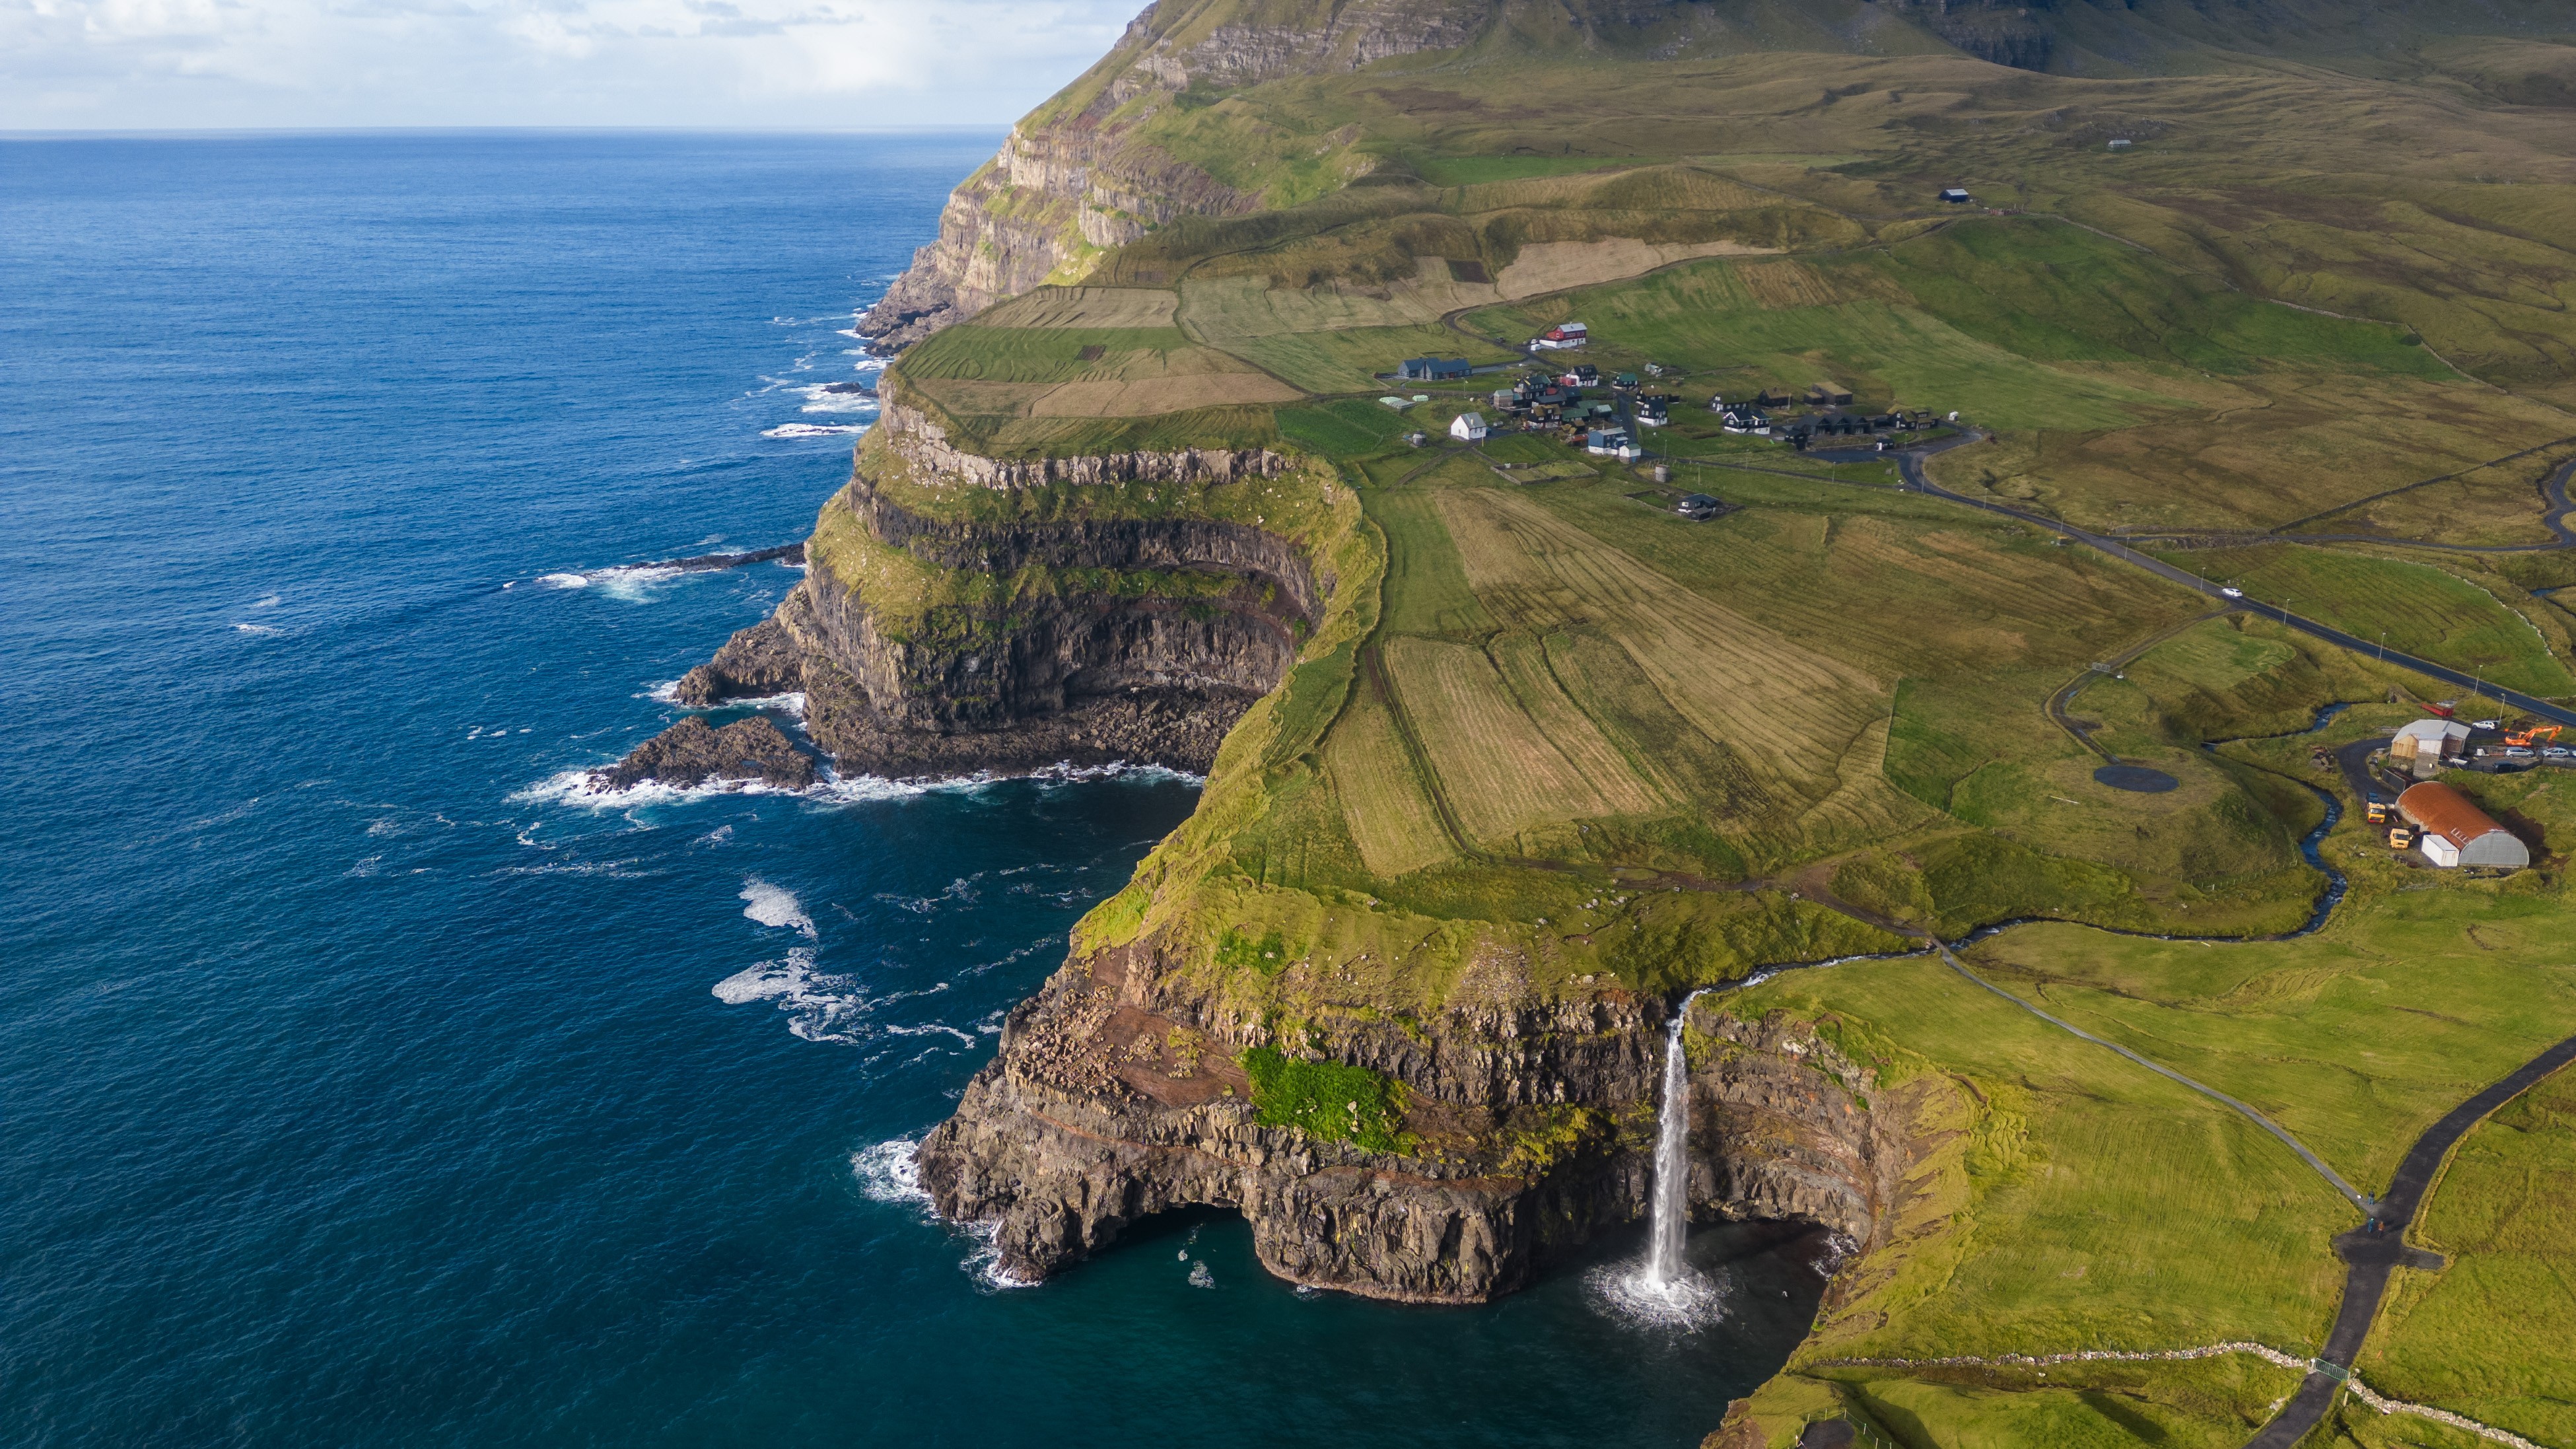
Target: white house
(1468,427)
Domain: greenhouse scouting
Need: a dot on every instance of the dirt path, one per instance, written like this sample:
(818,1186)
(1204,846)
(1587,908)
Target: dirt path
(2369,1206)
(2059,702)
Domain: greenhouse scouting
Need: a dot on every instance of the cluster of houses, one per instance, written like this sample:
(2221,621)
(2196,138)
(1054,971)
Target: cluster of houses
(1568,400)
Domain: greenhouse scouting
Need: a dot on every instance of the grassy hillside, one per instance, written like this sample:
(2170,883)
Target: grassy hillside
(2309,332)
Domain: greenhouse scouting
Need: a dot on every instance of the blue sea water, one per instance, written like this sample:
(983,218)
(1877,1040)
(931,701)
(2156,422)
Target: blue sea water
(359,1088)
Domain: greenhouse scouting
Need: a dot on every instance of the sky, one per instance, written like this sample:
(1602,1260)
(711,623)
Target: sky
(327,64)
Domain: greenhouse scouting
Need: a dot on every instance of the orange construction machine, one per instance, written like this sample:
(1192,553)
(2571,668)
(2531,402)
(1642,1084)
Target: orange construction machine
(2533,735)
(2400,836)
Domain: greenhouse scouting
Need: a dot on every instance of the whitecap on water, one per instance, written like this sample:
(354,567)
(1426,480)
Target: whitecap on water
(888,1172)
(820,398)
(628,584)
(818,1004)
(564,581)
(580,788)
(791,704)
(259,631)
(775,906)
(813,430)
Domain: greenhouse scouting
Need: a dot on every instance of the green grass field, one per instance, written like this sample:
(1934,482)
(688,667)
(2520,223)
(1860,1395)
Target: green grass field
(2493,1335)
(2420,609)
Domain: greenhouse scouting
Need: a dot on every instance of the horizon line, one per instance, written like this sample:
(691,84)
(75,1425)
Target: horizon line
(176,133)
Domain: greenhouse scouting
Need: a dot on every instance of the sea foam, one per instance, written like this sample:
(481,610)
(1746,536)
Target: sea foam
(820,1006)
(775,906)
(813,430)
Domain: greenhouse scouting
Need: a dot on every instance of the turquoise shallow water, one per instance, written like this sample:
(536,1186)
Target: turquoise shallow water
(359,1089)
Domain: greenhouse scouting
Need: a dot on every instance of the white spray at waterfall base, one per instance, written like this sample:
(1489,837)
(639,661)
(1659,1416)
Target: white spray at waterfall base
(1664,1289)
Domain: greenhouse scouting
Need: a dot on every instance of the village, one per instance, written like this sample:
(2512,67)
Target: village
(1612,416)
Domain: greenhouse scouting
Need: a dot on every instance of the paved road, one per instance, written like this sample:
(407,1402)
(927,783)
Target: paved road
(1911,464)
(2354,759)
(2378,1248)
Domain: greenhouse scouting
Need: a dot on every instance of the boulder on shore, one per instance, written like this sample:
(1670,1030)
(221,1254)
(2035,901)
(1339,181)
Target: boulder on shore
(693,752)
(761,660)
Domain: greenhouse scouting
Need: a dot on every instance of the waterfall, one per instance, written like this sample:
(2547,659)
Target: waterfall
(1663,1291)
(1670,1204)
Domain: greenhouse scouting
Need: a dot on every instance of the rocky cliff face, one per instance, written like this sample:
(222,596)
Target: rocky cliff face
(1082,174)
(1117,1095)
(1000,682)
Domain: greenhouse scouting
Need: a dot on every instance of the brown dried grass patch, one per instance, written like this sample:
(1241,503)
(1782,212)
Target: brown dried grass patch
(1787,284)
(1789,709)
(1145,396)
(1501,772)
(1560,265)
(1085,307)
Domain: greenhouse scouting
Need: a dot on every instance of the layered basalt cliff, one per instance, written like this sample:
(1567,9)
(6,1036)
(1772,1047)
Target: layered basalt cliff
(1077,640)
(1117,1095)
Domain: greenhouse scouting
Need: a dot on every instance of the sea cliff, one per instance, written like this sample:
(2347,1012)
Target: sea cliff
(1526,1128)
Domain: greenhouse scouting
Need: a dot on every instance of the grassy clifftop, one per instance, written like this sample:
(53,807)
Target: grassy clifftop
(1550,741)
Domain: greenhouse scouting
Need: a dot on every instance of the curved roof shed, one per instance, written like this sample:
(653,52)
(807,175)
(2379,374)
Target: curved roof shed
(2457,832)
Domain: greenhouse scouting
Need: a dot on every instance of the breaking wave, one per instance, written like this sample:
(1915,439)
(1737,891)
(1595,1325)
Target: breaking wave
(888,1172)
(813,430)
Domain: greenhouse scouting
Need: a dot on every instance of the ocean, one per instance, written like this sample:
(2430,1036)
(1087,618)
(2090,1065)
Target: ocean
(362,1085)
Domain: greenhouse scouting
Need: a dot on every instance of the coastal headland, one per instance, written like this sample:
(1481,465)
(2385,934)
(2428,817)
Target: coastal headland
(1974,412)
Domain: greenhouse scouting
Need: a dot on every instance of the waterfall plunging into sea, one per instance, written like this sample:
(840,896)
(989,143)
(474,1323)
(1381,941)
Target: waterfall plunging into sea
(1664,1289)
(1669,1221)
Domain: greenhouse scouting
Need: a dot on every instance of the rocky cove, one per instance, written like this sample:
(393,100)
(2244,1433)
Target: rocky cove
(1529,1129)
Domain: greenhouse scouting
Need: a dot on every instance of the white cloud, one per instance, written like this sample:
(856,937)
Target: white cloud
(179,64)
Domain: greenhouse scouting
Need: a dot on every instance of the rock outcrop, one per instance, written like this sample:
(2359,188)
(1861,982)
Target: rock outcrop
(694,752)
(924,444)
(1117,1095)
(1014,683)
(1082,174)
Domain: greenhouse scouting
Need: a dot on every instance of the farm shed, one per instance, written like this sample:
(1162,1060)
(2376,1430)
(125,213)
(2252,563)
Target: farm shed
(1955,195)
(2424,744)
(1436,369)
(2457,832)
(1468,427)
